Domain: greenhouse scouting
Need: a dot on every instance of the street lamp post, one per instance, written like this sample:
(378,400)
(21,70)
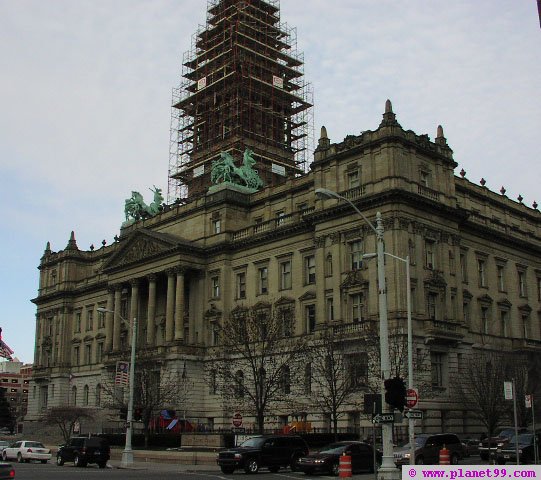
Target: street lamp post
(127,454)
(388,469)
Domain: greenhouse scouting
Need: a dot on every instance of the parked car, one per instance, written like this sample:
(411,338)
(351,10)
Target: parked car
(84,450)
(489,446)
(427,449)
(26,450)
(3,444)
(327,459)
(271,451)
(526,450)
(6,471)
(471,446)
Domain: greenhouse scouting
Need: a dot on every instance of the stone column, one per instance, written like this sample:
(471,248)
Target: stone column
(52,360)
(37,350)
(109,319)
(179,305)
(170,306)
(151,311)
(117,320)
(134,305)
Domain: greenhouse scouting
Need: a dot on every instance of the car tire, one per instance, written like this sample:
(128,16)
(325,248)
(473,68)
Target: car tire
(102,464)
(78,461)
(59,461)
(252,466)
(500,461)
(454,459)
(335,469)
(227,470)
(274,468)
(294,463)
(20,458)
(484,456)
(4,456)
(419,461)
(44,461)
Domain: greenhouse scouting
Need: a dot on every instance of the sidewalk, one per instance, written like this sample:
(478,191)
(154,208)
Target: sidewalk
(168,460)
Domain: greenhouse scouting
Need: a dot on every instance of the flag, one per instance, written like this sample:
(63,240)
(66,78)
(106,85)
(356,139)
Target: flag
(121,376)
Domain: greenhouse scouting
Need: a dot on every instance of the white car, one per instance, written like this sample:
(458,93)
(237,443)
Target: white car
(26,450)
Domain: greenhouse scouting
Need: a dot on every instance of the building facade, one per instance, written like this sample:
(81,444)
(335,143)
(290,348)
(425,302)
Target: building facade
(15,379)
(475,267)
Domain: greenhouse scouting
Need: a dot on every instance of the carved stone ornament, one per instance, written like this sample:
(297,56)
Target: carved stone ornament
(140,249)
(354,278)
(320,241)
(436,280)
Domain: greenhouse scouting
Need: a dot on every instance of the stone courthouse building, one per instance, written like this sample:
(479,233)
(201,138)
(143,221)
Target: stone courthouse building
(475,255)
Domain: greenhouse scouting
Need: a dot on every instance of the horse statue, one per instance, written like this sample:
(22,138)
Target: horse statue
(225,170)
(136,208)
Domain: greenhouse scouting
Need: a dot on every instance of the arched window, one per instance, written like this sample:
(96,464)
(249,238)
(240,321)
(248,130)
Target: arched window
(98,395)
(74,395)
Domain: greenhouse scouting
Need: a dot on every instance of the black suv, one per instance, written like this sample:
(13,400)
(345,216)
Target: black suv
(427,449)
(271,451)
(84,450)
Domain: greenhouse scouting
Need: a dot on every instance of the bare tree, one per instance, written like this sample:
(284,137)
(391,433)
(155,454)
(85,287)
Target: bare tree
(256,358)
(338,372)
(66,417)
(479,387)
(155,388)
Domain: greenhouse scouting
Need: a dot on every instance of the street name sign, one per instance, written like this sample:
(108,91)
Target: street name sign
(417,414)
(383,418)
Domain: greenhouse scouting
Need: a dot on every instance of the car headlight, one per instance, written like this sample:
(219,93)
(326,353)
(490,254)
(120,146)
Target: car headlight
(520,450)
(499,444)
(319,460)
(238,456)
(406,455)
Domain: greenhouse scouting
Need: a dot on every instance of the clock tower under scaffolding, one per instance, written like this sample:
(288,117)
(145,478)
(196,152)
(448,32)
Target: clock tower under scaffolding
(242,87)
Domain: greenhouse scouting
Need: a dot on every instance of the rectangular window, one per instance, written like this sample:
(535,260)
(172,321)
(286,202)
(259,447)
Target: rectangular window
(500,271)
(99,352)
(330,309)
(215,287)
(424,178)
(504,320)
(466,312)
(88,354)
(432,301)
(285,275)
(310,269)
(437,364)
(522,284)
(310,313)
(77,327)
(481,269)
(354,179)
(357,307)
(463,268)
(429,254)
(356,254)
(526,326)
(357,369)
(263,277)
(484,320)
(76,358)
(452,265)
(241,285)
(280,217)
(539,289)
(89,320)
(217,226)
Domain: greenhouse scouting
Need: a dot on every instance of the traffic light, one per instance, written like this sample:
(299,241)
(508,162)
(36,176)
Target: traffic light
(395,393)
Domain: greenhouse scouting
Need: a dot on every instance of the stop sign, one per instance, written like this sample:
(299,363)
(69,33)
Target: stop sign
(237,419)
(411,397)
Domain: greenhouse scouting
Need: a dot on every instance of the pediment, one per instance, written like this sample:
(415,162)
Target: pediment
(141,246)
(284,301)
(310,295)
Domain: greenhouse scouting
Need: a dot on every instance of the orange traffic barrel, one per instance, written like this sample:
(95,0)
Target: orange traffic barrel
(445,456)
(344,467)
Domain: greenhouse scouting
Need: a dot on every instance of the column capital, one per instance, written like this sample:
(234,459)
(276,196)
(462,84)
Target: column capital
(117,287)
(152,277)
(134,282)
(180,270)
(170,272)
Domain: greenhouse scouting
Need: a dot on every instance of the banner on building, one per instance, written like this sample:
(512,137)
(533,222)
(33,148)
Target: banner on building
(122,373)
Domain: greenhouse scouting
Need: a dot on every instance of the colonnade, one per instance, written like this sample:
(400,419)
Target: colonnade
(174,308)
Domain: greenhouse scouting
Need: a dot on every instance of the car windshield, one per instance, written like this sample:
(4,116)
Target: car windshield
(334,448)
(524,438)
(419,442)
(507,433)
(34,445)
(255,442)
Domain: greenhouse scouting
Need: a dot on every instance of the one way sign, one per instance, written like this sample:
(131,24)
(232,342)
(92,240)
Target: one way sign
(383,418)
(418,414)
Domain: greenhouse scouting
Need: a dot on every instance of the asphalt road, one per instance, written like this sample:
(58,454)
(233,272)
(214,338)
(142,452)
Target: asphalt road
(150,471)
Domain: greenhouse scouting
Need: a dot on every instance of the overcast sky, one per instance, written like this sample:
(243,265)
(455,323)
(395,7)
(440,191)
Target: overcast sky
(85,89)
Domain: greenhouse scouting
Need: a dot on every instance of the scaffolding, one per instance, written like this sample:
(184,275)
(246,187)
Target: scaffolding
(242,87)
